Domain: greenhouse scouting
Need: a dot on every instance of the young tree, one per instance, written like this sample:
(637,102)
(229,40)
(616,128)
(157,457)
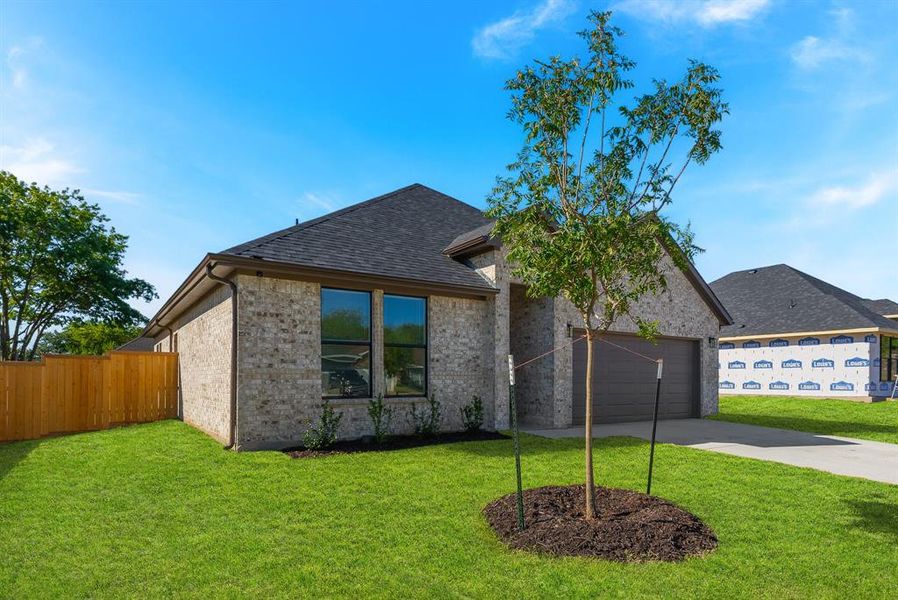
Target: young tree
(87,337)
(58,263)
(581,212)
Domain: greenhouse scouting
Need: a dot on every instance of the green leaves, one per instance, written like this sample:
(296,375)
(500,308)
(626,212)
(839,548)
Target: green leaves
(87,337)
(58,263)
(580,210)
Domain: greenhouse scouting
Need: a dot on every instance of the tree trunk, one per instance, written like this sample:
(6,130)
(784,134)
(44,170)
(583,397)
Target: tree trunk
(590,478)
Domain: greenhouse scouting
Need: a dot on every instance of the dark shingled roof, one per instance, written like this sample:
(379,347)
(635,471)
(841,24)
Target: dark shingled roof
(780,299)
(138,344)
(401,234)
(883,306)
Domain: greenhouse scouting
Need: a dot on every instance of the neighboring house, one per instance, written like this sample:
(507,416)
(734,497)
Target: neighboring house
(138,344)
(796,335)
(408,296)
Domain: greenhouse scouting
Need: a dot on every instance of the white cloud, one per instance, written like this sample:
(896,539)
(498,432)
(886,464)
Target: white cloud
(503,38)
(812,51)
(321,200)
(35,161)
(118,197)
(706,13)
(16,61)
(876,188)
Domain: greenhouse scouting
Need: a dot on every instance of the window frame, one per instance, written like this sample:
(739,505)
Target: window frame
(425,346)
(370,343)
(886,361)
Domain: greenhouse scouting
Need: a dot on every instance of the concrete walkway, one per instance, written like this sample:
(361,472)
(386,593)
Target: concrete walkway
(877,461)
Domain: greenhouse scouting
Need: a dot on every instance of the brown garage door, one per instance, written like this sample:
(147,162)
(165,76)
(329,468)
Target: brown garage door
(624,385)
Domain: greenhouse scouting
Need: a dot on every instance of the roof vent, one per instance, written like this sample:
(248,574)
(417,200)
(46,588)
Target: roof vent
(792,303)
(752,271)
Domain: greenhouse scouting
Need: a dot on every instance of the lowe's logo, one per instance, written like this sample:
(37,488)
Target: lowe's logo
(779,385)
(841,339)
(809,385)
(763,364)
(780,343)
(870,339)
(841,386)
(727,385)
(870,387)
(725,346)
(823,363)
(884,386)
(809,341)
(857,361)
(736,364)
(791,364)
(751,344)
(751,385)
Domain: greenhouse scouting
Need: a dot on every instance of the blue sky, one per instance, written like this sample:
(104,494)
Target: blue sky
(198,126)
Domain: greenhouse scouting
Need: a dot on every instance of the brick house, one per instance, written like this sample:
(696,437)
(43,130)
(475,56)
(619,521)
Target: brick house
(407,295)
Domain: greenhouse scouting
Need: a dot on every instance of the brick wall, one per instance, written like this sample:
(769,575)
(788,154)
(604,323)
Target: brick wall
(532,324)
(204,362)
(280,362)
(680,311)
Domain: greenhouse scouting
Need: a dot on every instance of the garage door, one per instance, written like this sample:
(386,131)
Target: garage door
(624,384)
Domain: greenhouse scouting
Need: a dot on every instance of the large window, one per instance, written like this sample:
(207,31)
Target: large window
(888,358)
(405,345)
(345,343)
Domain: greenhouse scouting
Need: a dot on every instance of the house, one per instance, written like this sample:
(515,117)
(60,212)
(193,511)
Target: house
(796,335)
(408,295)
(138,344)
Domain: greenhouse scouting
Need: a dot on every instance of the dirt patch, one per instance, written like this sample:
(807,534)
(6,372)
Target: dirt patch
(399,442)
(629,527)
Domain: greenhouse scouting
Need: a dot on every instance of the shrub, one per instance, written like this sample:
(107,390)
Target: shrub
(380,418)
(472,414)
(426,422)
(325,434)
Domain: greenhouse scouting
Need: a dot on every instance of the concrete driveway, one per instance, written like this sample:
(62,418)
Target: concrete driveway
(877,461)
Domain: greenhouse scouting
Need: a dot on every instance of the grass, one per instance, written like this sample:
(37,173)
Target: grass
(161,510)
(870,421)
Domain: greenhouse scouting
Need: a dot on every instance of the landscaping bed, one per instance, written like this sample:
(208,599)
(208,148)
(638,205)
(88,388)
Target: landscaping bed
(629,526)
(397,442)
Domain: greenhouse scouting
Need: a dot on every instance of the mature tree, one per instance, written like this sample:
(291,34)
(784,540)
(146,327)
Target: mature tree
(87,337)
(58,262)
(581,211)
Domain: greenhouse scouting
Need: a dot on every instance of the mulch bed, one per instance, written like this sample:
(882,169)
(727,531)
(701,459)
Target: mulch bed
(629,526)
(398,442)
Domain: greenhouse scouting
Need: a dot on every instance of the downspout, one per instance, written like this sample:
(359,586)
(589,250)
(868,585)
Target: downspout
(233,427)
(170,333)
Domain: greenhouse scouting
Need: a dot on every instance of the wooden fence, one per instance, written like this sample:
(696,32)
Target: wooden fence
(65,394)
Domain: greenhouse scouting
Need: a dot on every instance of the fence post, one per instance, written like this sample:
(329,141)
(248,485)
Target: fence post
(513,409)
(648,489)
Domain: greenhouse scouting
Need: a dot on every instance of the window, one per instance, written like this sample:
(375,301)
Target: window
(345,344)
(888,358)
(405,345)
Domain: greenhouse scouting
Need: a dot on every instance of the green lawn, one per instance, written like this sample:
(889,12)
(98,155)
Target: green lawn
(161,510)
(871,421)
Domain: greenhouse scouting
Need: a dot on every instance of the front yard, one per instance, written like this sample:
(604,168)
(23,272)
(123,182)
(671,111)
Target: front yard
(161,510)
(876,421)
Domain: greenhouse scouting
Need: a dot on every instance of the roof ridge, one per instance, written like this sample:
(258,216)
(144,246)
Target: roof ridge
(254,243)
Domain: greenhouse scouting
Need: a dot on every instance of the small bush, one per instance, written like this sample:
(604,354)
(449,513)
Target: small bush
(426,422)
(472,414)
(380,418)
(325,434)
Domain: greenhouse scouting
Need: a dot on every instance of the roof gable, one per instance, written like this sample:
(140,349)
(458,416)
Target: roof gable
(401,234)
